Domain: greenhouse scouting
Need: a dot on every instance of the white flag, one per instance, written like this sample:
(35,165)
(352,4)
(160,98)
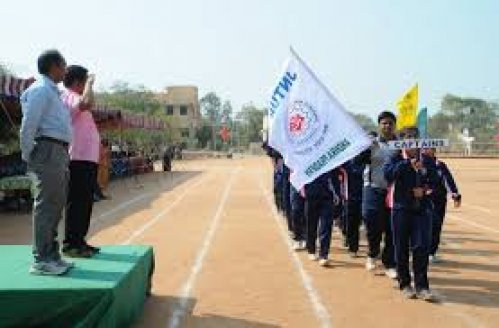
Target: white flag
(309,127)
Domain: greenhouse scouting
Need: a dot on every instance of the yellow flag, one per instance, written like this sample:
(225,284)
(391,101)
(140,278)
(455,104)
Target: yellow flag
(408,109)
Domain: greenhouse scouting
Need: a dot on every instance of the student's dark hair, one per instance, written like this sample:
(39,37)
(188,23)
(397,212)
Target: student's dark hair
(373,134)
(386,114)
(409,130)
(75,73)
(47,59)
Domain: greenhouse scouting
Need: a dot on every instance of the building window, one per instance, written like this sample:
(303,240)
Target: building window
(184,133)
(183,110)
(169,110)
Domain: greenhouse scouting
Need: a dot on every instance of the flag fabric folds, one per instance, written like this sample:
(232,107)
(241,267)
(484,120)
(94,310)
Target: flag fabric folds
(408,108)
(309,126)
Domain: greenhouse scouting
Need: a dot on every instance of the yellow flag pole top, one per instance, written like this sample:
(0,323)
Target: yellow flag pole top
(408,108)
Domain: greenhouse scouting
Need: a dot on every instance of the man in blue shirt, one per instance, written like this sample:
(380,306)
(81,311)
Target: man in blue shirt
(44,137)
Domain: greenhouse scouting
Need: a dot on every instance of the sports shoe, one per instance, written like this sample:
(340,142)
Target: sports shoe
(66,264)
(352,255)
(298,246)
(78,252)
(435,259)
(370,264)
(51,268)
(408,293)
(426,295)
(313,257)
(324,262)
(391,273)
(93,249)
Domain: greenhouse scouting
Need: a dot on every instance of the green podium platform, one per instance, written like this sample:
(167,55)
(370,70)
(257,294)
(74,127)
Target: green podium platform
(108,290)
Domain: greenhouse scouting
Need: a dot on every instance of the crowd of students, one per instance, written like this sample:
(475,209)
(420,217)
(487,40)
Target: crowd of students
(399,195)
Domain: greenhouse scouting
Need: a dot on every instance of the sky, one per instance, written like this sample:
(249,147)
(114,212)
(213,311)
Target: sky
(366,52)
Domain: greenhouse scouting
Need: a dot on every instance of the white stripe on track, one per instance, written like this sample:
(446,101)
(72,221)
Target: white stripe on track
(471,223)
(127,203)
(320,310)
(479,208)
(185,292)
(160,215)
(120,207)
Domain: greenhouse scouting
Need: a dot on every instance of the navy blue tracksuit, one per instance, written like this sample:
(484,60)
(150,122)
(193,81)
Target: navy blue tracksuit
(320,195)
(353,181)
(298,215)
(277,176)
(411,218)
(445,183)
(286,197)
(375,212)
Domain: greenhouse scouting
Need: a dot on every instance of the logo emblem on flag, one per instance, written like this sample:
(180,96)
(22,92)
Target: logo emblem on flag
(303,122)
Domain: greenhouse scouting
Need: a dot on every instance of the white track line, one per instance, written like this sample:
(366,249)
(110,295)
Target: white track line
(160,215)
(479,208)
(118,208)
(181,307)
(471,223)
(127,203)
(320,310)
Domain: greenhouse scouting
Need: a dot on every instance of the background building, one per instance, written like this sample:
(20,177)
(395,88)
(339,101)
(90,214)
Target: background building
(182,104)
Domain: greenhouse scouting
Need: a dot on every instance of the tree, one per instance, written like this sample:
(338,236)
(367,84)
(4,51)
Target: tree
(122,95)
(250,124)
(4,70)
(227,112)
(211,108)
(204,133)
(440,125)
(476,115)
(365,121)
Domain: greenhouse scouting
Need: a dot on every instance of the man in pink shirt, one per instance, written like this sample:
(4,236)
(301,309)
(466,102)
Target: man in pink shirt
(84,155)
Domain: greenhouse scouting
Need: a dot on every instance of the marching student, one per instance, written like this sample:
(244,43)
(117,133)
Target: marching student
(352,181)
(286,198)
(321,195)
(445,185)
(375,212)
(341,210)
(277,163)
(298,217)
(413,178)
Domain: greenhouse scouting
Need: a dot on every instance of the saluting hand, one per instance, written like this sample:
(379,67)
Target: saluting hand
(91,79)
(416,163)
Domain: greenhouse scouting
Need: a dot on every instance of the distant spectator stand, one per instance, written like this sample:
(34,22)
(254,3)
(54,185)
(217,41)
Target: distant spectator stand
(14,183)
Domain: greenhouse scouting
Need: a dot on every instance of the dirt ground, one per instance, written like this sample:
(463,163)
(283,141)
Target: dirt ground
(223,258)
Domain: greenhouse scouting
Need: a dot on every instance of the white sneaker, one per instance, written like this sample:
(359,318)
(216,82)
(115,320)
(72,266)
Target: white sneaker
(298,246)
(435,259)
(313,257)
(391,273)
(324,262)
(426,295)
(304,244)
(48,269)
(370,264)
(66,264)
